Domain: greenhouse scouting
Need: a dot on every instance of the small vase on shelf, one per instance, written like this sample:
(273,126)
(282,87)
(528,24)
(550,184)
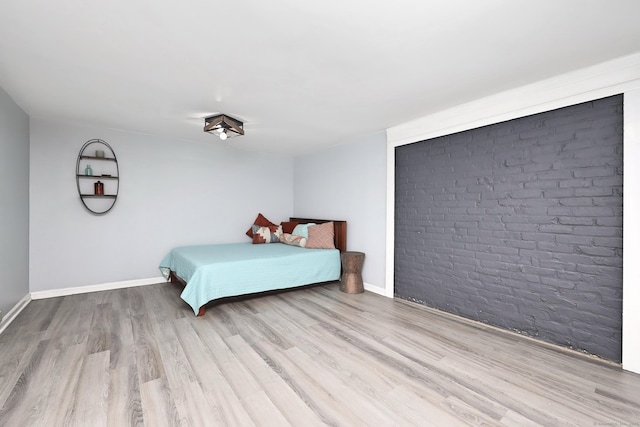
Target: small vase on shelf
(88,171)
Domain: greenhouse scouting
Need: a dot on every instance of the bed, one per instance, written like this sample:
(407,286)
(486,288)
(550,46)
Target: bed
(212,272)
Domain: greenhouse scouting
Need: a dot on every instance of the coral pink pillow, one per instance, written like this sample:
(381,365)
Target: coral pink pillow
(321,236)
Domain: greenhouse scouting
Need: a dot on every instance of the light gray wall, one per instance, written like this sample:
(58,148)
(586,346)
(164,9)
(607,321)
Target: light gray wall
(172,193)
(14,194)
(348,182)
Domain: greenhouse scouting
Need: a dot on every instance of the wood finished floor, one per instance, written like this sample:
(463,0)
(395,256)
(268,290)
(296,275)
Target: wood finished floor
(312,356)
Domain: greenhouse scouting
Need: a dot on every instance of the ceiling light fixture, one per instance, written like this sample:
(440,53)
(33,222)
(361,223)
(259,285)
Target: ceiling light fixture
(223,126)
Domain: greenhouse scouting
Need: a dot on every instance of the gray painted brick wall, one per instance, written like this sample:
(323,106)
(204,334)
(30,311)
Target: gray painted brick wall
(519,225)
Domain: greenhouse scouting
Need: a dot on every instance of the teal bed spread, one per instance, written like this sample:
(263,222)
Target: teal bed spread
(218,271)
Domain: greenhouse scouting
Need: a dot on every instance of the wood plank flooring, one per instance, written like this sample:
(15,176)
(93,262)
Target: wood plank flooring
(312,356)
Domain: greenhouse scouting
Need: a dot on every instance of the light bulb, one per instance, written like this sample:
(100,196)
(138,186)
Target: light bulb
(223,135)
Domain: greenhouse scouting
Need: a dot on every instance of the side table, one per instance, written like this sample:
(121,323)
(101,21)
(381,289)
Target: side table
(351,280)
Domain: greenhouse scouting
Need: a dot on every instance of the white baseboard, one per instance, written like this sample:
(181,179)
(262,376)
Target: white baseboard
(96,288)
(13,313)
(376,290)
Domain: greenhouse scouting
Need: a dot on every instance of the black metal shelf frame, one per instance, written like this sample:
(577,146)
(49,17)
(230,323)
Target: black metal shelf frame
(109,157)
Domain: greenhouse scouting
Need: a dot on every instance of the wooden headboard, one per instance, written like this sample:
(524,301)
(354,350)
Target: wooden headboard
(339,230)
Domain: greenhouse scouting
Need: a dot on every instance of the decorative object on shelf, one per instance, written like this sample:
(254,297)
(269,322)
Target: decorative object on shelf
(223,126)
(102,198)
(98,188)
(351,280)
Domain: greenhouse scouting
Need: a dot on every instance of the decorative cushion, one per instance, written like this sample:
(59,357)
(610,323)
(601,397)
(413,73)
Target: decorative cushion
(321,236)
(265,234)
(293,240)
(262,222)
(302,230)
(288,226)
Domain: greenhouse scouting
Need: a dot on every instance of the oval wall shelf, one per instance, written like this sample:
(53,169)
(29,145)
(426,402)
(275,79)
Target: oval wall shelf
(97,176)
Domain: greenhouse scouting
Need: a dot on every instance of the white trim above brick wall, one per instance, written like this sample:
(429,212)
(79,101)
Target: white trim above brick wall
(618,76)
(598,81)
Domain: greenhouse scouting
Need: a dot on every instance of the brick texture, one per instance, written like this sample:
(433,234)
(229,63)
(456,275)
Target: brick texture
(519,225)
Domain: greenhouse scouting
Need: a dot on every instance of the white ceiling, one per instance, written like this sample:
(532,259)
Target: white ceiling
(302,75)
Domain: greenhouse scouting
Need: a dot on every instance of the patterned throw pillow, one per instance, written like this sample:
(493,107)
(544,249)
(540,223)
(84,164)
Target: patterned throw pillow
(321,236)
(293,240)
(266,234)
(262,221)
